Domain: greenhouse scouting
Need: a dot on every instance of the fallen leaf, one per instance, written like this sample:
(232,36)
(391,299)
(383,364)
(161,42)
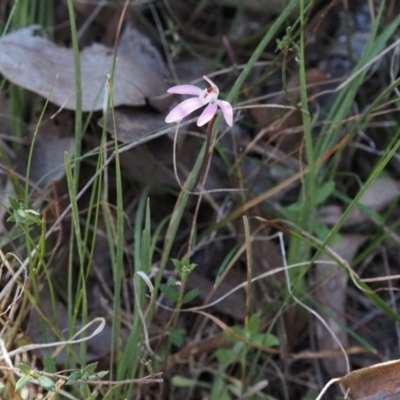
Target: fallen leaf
(39,65)
(281,122)
(153,161)
(331,294)
(133,123)
(97,347)
(206,286)
(207,345)
(48,153)
(377,382)
(138,48)
(377,197)
(380,193)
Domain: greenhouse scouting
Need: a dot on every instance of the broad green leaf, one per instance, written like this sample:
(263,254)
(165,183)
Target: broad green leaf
(189,296)
(169,292)
(14,203)
(219,390)
(324,191)
(22,382)
(228,356)
(49,363)
(266,339)
(254,323)
(177,337)
(90,368)
(25,369)
(74,377)
(46,383)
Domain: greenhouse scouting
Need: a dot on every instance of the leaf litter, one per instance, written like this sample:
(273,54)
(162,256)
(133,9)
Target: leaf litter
(37,64)
(262,149)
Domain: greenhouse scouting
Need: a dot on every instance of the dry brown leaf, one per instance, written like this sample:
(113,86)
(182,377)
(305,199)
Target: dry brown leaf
(207,345)
(98,347)
(378,196)
(189,69)
(138,48)
(206,286)
(283,120)
(153,161)
(332,295)
(133,123)
(381,192)
(48,153)
(41,66)
(377,382)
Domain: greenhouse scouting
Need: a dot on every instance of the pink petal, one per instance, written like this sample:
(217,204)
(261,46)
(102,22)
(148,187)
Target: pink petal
(226,109)
(185,89)
(207,114)
(183,109)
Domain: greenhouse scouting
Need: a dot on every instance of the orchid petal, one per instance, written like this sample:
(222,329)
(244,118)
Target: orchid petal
(185,89)
(227,110)
(183,109)
(207,114)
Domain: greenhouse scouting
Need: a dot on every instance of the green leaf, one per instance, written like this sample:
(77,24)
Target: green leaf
(86,374)
(14,203)
(324,191)
(237,390)
(25,369)
(184,267)
(223,357)
(177,263)
(322,232)
(219,390)
(241,332)
(22,382)
(291,212)
(49,363)
(46,383)
(254,323)
(264,339)
(177,336)
(90,368)
(228,356)
(169,292)
(77,375)
(101,374)
(181,381)
(189,296)
(11,218)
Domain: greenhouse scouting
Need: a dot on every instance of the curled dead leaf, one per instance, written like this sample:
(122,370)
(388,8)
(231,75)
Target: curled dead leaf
(377,382)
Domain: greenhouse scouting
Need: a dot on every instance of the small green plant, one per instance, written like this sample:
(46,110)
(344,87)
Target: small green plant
(184,267)
(86,374)
(28,374)
(22,215)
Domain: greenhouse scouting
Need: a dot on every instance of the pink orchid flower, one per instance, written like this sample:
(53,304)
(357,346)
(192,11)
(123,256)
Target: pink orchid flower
(204,97)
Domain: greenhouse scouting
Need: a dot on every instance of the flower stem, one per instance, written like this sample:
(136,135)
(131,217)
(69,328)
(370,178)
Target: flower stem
(207,153)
